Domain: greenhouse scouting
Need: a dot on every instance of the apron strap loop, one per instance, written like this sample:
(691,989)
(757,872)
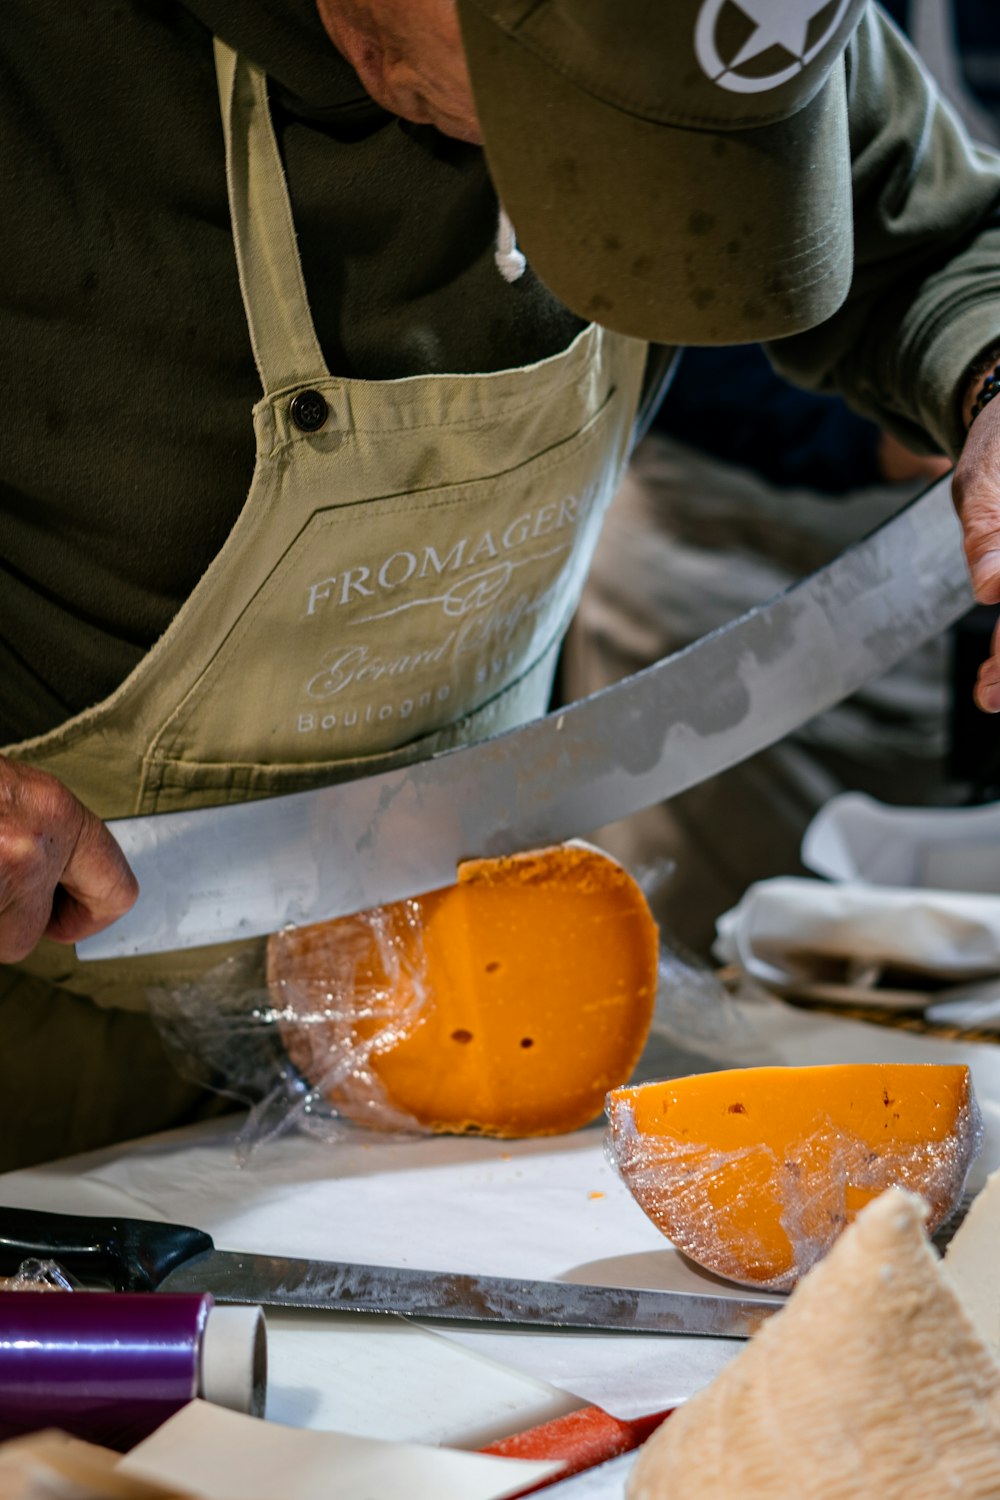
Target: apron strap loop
(274,295)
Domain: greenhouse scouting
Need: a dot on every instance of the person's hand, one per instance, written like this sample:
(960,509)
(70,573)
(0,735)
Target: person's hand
(976,488)
(897,465)
(61,873)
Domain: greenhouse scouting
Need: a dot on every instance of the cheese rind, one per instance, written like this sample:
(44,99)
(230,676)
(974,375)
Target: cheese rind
(754,1172)
(871,1384)
(506,1004)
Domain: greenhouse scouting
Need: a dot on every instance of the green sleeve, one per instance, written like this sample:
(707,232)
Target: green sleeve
(925,297)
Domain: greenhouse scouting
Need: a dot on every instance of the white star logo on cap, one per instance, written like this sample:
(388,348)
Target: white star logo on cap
(780,24)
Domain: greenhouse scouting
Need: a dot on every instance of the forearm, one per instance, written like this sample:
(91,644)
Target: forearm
(925,298)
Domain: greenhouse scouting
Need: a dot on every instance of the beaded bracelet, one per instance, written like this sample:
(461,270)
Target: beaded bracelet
(985,369)
(989,388)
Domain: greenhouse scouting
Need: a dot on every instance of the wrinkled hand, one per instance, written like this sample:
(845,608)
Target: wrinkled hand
(976,488)
(61,873)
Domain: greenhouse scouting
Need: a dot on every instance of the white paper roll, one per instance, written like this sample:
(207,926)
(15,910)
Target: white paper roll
(233,1369)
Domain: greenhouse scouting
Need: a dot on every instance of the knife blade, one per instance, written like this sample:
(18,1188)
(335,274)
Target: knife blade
(216,874)
(144,1255)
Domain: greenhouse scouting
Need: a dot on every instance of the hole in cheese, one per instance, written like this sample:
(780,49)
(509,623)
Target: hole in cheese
(754,1172)
(372,1006)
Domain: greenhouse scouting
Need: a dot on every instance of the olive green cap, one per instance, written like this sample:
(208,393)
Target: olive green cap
(678,170)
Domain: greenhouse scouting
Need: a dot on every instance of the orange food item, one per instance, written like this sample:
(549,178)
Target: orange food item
(754,1172)
(506,1004)
(579,1440)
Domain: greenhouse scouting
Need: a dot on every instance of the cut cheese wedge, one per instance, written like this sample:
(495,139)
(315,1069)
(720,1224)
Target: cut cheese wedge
(506,1004)
(871,1383)
(754,1172)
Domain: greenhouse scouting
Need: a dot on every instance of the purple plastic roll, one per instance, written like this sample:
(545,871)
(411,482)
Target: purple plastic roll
(105,1366)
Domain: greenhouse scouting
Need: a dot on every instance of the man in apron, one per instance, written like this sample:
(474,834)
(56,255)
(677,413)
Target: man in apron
(389,566)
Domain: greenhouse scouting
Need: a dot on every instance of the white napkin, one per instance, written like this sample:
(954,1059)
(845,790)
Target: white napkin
(785,931)
(911,889)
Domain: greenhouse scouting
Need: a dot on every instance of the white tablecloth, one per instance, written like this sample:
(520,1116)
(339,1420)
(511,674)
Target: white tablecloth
(542,1209)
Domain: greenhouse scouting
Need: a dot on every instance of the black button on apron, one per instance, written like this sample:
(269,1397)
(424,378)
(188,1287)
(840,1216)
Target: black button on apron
(309,411)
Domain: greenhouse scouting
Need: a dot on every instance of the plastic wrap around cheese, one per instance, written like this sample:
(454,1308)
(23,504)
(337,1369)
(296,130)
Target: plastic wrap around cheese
(872,1383)
(506,1004)
(754,1172)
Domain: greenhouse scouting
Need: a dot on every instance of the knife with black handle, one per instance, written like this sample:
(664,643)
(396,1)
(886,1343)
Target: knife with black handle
(144,1255)
(127,1255)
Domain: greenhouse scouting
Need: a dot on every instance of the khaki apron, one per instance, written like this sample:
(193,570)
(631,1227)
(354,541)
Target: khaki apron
(398,581)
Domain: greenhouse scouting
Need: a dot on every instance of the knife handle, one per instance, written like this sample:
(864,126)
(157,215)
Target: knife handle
(131,1255)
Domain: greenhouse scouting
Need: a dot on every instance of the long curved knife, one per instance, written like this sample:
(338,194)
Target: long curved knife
(222,873)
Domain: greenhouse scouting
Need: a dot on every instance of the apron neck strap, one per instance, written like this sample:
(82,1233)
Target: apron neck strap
(274,295)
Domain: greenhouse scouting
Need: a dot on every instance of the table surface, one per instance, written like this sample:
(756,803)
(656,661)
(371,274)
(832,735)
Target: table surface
(545,1209)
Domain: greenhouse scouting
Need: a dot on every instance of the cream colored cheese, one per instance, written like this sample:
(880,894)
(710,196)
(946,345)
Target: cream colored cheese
(972,1262)
(872,1384)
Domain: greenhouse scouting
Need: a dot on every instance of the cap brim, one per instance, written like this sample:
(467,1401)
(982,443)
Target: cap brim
(670,234)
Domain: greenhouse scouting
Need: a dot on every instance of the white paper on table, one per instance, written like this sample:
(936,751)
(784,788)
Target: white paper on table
(217,1454)
(629,1375)
(544,1209)
(548,1209)
(368,1376)
(604,1482)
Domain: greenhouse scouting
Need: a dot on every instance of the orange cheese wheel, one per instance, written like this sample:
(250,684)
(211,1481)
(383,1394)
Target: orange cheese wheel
(506,1004)
(754,1172)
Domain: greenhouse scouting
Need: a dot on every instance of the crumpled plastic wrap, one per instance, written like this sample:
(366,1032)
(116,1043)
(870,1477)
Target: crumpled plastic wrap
(283,1047)
(697,1024)
(761,1217)
(34,1275)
